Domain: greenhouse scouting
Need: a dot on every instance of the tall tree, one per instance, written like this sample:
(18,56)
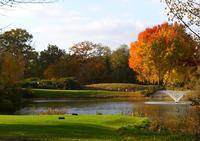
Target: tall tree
(87,49)
(162,51)
(11,69)
(18,41)
(50,56)
(119,64)
(91,61)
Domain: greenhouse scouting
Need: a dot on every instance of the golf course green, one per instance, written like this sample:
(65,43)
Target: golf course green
(81,128)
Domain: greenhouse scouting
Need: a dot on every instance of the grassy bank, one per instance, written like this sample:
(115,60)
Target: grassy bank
(103,90)
(49,93)
(82,128)
(121,87)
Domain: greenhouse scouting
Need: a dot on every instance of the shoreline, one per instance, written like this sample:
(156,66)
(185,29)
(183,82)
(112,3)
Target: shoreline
(85,94)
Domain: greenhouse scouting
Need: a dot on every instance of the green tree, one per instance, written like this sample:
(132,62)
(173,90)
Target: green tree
(49,57)
(18,41)
(119,64)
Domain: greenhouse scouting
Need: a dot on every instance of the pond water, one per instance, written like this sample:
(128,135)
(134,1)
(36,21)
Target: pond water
(101,106)
(180,116)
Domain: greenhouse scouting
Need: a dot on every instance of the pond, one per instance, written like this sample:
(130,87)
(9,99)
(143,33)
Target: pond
(180,116)
(102,106)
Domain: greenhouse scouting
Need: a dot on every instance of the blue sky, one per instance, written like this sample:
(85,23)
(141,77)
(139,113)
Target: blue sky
(66,22)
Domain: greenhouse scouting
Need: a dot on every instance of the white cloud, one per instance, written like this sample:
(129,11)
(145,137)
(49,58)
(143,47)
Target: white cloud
(112,32)
(55,24)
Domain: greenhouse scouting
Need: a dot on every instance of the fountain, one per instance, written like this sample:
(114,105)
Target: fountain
(175,95)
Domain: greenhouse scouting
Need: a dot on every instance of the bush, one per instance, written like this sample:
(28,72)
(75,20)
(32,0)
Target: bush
(6,106)
(68,83)
(10,100)
(156,126)
(27,93)
(46,84)
(51,111)
(150,90)
(30,83)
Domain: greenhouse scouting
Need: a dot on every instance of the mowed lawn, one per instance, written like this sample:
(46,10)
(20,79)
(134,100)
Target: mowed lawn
(80,128)
(52,93)
(120,86)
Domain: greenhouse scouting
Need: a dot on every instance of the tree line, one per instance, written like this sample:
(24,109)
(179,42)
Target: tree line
(88,62)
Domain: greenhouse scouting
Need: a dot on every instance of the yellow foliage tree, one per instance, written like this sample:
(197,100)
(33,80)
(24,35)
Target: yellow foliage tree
(11,69)
(162,53)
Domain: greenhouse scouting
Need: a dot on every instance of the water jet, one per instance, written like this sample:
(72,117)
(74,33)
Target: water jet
(175,95)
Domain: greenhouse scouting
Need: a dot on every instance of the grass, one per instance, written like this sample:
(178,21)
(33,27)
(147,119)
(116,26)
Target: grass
(103,90)
(81,128)
(50,93)
(120,86)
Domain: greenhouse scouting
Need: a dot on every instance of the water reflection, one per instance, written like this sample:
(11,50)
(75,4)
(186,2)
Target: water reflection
(80,107)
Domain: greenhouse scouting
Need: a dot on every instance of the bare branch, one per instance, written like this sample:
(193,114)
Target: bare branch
(187,12)
(15,2)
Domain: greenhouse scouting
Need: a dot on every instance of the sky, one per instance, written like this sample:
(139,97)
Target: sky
(66,22)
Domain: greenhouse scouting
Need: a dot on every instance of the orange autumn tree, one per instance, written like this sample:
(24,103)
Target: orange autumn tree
(162,53)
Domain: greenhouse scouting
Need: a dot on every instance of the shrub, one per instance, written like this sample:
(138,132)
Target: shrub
(51,111)
(45,84)
(15,95)
(155,126)
(150,90)
(68,83)
(27,93)
(10,100)
(30,83)
(6,106)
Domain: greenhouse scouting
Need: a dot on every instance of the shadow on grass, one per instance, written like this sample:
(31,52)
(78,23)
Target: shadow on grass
(134,134)
(45,132)
(84,131)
